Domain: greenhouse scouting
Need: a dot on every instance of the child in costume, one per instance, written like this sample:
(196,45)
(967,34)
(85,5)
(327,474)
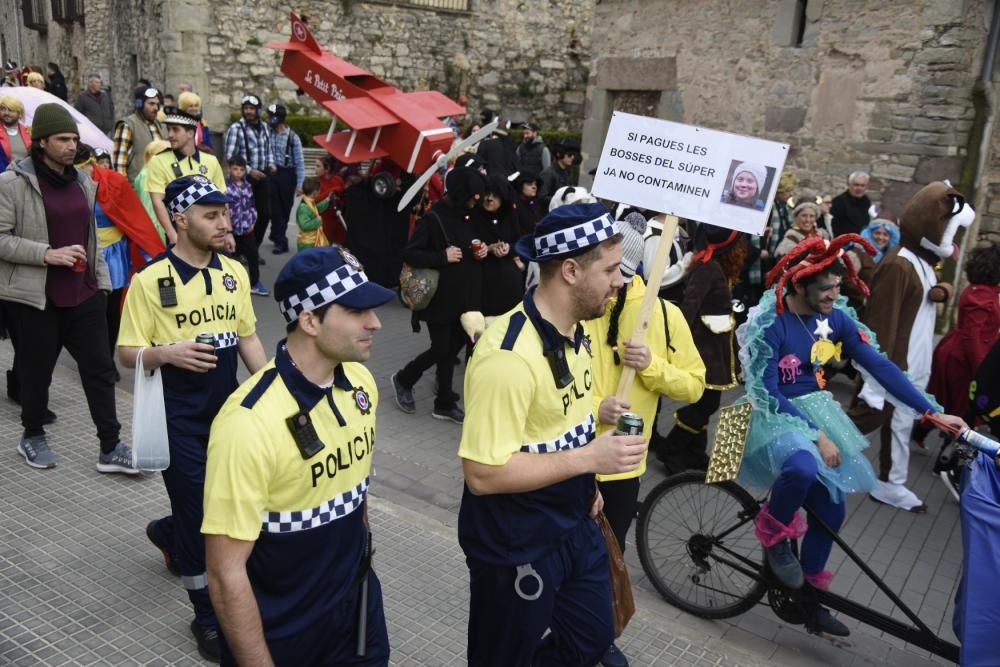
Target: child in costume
(801,443)
(308,216)
(243,216)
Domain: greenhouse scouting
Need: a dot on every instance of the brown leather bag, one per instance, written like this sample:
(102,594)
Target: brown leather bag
(622,602)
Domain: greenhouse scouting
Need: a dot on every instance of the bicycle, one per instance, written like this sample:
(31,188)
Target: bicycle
(712,565)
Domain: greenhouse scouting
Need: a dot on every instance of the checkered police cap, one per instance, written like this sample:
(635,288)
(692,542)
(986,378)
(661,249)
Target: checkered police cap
(176,116)
(315,277)
(567,231)
(326,290)
(583,235)
(183,193)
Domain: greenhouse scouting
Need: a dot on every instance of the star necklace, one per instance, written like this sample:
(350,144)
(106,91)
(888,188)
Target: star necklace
(822,349)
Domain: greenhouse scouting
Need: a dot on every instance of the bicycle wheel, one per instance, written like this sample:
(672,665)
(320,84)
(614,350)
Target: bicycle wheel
(697,545)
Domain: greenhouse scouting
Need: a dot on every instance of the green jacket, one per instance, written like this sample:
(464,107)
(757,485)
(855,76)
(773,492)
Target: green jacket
(24,236)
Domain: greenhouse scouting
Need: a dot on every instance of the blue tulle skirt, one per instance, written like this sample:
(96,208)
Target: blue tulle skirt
(774,437)
(117,258)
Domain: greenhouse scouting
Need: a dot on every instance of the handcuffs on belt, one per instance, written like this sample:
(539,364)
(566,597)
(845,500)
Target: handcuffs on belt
(523,572)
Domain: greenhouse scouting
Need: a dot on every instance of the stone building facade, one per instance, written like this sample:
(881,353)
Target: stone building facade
(885,87)
(525,58)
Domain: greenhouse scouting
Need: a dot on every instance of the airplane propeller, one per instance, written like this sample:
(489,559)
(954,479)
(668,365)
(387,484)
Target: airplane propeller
(443,159)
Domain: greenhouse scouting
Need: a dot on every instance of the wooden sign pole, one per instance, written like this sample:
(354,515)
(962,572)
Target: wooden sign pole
(669,223)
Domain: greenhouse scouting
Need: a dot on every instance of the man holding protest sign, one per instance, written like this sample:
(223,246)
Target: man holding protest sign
(690,172)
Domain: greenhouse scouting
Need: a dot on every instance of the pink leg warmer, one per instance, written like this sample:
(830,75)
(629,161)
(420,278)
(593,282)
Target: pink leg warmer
(770,531)
(820,579)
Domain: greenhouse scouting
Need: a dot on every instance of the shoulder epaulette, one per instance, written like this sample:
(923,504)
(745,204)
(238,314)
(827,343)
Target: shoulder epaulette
(514,327)
(258,390)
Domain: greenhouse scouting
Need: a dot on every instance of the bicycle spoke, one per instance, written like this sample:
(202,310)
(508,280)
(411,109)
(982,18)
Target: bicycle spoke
(677,546)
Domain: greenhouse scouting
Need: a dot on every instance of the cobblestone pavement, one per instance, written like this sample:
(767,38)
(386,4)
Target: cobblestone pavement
(80,585)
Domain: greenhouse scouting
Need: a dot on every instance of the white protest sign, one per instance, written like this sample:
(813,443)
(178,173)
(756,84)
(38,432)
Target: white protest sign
(692,172)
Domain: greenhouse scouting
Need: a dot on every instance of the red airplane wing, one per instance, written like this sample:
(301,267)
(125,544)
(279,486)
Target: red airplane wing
(384,122)
(434,103)
(350,147)
(361,113)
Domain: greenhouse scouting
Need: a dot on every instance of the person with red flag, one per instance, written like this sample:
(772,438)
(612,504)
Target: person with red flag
(125,234)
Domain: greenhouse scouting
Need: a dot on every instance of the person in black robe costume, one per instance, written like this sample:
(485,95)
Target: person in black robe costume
(376,232)
(529,206)
(497,226)
(442,240)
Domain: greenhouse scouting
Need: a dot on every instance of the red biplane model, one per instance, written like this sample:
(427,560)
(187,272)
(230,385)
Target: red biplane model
(383,121)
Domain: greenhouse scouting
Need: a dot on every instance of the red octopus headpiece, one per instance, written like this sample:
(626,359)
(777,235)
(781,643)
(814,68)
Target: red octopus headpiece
(812,256)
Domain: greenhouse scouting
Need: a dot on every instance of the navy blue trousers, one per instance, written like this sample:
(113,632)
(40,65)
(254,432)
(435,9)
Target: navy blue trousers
(797,485)
(331,640)
(181,532)
(505,630)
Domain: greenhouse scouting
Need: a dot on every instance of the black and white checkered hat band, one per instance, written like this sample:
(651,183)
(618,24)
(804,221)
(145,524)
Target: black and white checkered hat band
(584,235)
(186,121)
(191,195)
(327,290)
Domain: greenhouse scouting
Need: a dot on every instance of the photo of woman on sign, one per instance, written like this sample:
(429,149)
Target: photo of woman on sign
(747,185)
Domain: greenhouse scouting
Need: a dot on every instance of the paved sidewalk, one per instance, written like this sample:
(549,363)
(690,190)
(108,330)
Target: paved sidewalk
(80,585)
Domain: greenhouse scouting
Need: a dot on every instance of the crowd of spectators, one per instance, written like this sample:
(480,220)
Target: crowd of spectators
(464,226)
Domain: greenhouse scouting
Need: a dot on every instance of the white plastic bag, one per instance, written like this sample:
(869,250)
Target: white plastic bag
(150,445)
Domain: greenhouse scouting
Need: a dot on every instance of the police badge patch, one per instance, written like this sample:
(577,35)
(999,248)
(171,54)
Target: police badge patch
(229,282)
(203,169)
(362,400)
(586,344)
(350,259)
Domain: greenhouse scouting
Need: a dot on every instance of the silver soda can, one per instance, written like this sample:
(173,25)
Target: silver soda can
(983,443)
(629,423)
(205,339)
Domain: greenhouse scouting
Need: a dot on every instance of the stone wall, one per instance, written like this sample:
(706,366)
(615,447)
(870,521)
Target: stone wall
(506,55)
(881,87)
(988,203)
(526,58)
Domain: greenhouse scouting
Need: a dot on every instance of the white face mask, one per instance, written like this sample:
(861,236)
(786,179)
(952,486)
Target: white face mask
(963,217)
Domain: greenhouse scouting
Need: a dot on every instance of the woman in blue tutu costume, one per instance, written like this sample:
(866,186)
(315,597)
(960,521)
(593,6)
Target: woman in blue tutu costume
(801,443)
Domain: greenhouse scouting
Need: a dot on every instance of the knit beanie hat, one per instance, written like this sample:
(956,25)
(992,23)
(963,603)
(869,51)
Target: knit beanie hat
(51,118)
(759,173)
(631,227)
